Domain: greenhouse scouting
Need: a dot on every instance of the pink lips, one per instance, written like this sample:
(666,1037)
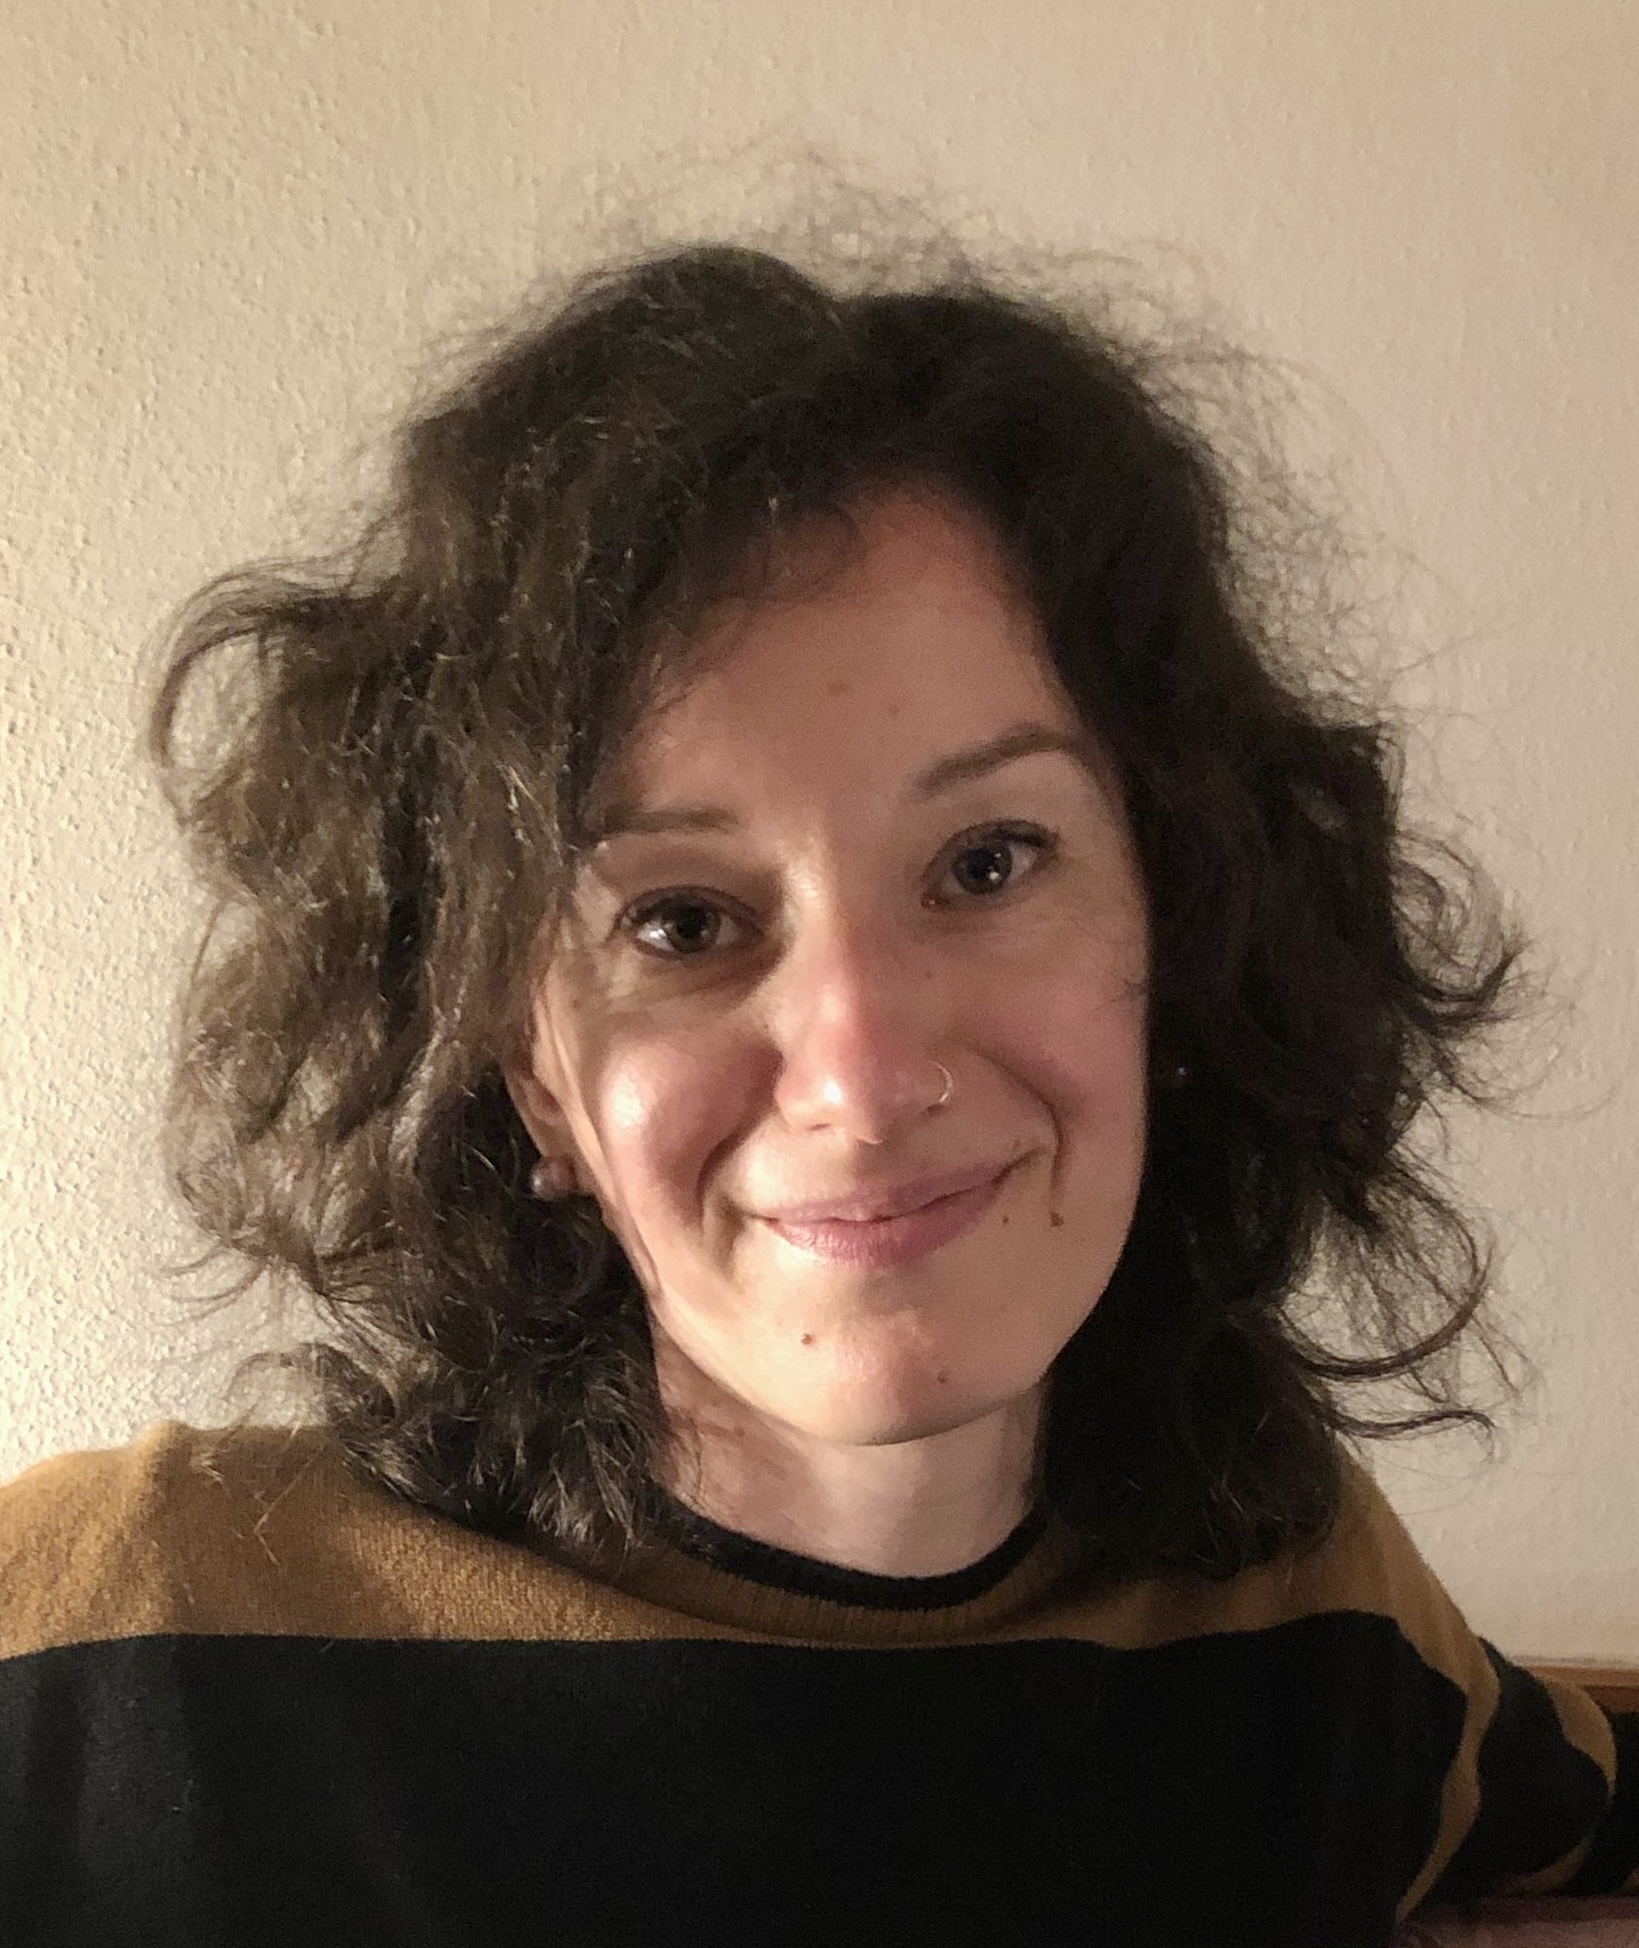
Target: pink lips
(882,1229)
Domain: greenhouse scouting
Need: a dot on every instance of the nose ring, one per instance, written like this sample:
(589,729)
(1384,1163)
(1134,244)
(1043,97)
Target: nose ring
(949,1086)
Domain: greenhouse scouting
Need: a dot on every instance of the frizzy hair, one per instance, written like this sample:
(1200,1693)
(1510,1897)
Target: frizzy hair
(399,770)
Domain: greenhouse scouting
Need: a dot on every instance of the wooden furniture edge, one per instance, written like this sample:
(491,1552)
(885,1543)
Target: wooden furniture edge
(1615,1686)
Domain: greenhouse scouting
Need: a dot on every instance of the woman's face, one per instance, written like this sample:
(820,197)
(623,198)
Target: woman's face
(866,849)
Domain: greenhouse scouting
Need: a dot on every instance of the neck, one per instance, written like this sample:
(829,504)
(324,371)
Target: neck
(924,1506)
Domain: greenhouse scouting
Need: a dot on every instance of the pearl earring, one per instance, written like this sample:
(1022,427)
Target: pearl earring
(553,1177)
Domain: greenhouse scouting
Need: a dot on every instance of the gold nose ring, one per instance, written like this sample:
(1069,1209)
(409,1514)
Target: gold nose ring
(949,1085)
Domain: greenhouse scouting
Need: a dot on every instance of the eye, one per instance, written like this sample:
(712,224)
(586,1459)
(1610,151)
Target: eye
(984,863)
(676,926)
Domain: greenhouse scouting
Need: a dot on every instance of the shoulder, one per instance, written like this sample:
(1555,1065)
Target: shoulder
(1364,1580)
(1369,1567)
(144,1539)
(266,1531)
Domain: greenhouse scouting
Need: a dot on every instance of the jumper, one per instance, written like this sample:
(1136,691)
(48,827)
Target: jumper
(246,1697)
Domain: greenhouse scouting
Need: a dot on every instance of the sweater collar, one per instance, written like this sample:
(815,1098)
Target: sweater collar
(722,1577)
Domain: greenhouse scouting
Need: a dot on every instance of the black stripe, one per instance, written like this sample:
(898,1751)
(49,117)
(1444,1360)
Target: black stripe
(1278,1787)
(1539,1795)
(1614,1855)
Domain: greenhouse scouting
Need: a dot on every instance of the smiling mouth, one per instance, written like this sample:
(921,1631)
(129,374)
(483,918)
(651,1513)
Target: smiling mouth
(888,1239)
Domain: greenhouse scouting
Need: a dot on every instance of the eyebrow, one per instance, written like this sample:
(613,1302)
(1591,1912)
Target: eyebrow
(956,768)
(978,759)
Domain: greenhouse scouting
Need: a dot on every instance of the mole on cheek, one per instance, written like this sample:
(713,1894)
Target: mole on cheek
(1055,1218)
(808,1339)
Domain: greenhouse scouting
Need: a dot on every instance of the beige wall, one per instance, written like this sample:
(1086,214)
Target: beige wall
(232,230)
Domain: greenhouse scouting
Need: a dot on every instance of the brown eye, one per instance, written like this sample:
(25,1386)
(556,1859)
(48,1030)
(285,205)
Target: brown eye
(679,927)
(986,863)
(984,868)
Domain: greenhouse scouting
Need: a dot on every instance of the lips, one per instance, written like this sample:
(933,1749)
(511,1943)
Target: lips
(890,1226)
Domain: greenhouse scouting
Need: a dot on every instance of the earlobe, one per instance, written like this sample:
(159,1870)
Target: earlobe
(557,1172)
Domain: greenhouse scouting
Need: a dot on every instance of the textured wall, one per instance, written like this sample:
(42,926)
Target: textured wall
(234,231)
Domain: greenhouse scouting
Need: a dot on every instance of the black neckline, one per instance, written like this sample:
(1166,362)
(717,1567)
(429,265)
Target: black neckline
(783,1569)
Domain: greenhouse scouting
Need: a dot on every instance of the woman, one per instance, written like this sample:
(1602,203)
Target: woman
(810,993)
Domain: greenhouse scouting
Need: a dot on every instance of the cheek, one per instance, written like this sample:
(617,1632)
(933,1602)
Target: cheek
(660,1112)
(1084,1054)
(1086,1037)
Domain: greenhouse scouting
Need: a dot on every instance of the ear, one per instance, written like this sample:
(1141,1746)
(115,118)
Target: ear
(538,1107)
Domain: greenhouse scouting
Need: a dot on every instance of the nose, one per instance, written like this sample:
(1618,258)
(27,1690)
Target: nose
(860,1023)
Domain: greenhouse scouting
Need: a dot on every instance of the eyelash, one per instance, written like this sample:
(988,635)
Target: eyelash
(1037,839)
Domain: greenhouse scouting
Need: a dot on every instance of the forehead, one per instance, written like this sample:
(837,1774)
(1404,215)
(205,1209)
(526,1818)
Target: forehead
(882,640)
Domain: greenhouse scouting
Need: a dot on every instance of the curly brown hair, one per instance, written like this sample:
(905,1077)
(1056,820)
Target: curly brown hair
(397,785)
